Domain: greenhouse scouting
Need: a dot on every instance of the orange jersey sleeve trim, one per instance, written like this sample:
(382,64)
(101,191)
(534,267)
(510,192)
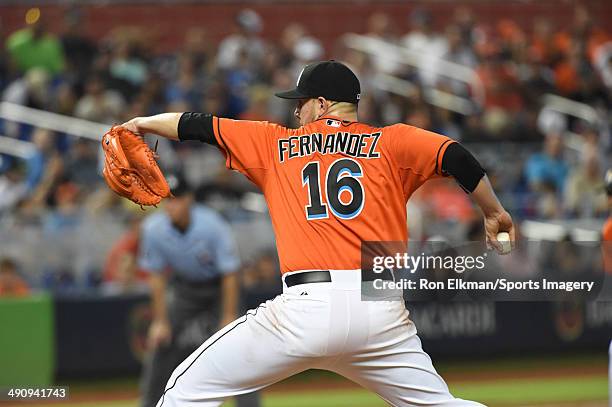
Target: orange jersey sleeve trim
(440,156)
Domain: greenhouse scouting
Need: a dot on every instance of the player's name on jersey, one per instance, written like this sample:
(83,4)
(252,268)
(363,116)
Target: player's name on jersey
(362,145)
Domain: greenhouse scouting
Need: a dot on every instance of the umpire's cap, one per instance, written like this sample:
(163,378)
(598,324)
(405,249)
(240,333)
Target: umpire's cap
(329,79)
(178,184)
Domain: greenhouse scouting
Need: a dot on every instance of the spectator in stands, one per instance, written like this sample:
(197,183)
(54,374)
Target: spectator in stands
(372,110)
(31,90)
(269,66)
(473,129)
(152,95)
(547,202)
(277,108)
(575,77)
(101,70)
(536,79)
(464,19)
(198,47)
(238,79)
(64,99)
(297,47)
(445,124)
(186,86)
(503,100)
(121,271)
(35,47)
(215,100)
(420,116)
(36,164)
(542,44)
(458,53)
(603,63)
(11,283)
(248,25)
(67,213)
(380,27)
(82,164)
(511,38)
(127,66)
(98,103)
(425,41)
(306,50)
(584,193)
(547,168)
(259,97)
(584,30)
(79,50)
(290,35)
(52,170)
(12,187)
(422,37)
(105,202)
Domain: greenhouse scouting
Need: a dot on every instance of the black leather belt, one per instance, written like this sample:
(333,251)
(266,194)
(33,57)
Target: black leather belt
(324,276)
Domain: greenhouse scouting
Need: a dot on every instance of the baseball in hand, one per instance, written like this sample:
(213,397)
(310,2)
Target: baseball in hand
(504,239)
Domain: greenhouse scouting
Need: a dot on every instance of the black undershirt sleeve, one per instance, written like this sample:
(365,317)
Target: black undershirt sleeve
(461,164)
(197,126)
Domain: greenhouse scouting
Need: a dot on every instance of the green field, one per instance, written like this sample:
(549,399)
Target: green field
(569,381)
(502,393)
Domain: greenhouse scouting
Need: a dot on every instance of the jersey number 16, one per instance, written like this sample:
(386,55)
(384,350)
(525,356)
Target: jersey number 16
(342,175)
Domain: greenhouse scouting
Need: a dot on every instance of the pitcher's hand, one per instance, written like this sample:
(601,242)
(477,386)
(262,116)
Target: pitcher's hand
(496,223)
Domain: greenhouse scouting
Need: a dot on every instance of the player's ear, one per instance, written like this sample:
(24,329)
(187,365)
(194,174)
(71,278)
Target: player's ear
(322,103)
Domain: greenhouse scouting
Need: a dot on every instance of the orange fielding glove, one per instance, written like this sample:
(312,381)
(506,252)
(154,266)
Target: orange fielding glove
(130,168)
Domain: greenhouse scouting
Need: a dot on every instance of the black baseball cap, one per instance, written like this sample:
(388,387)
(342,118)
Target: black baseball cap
(178,184)
(329,79)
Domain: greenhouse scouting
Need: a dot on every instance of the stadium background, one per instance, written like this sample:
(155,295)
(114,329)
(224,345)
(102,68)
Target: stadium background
(526,85)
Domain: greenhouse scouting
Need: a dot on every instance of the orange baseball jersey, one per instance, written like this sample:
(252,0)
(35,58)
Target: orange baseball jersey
(606,231)
(606,245)
(332,184)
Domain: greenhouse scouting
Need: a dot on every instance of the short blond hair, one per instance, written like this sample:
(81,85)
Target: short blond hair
(342,107)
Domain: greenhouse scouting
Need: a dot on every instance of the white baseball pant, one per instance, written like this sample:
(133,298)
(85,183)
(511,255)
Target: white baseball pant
(320,326)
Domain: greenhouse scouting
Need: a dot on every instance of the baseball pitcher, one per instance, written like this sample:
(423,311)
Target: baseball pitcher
(330,185)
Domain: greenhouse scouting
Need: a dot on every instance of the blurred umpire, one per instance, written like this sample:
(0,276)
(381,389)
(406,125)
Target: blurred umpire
(191,256)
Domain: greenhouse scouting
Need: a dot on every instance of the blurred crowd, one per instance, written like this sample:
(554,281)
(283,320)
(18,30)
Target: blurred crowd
(556,172)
